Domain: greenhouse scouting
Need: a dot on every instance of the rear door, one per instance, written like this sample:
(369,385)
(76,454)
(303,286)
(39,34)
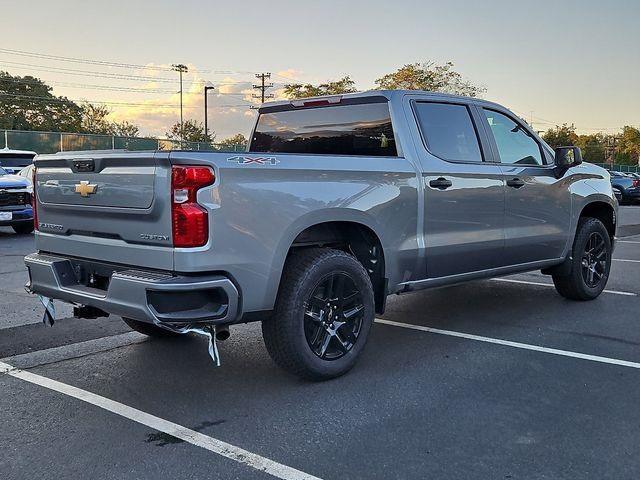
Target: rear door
(464,192)
(538,205)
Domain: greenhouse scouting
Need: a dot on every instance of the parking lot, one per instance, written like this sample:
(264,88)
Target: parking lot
(492,379)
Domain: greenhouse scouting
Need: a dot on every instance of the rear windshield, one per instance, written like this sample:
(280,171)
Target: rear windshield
(354,129)
(15,160)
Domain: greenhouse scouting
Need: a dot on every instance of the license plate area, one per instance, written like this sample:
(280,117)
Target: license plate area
(4,216)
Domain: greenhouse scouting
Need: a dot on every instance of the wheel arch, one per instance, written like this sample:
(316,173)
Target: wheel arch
(354,234)
(604,212)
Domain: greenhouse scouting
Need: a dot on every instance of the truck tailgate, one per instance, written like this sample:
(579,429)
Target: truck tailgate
(106,206)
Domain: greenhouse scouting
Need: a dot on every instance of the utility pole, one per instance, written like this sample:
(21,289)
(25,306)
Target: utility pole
(180,68)
(263,86)
(206,111)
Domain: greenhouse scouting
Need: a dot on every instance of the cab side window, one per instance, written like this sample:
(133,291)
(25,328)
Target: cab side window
(448,131)
(515,146)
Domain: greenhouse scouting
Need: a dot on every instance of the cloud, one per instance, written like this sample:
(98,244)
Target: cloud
(290,74)
(228,106)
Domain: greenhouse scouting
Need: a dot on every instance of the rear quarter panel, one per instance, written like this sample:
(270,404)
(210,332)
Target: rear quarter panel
(256,212)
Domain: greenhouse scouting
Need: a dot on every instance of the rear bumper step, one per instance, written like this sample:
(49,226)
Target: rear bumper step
(145,296)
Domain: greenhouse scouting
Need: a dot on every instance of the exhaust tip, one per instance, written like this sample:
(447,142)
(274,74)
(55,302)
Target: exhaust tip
(222,333)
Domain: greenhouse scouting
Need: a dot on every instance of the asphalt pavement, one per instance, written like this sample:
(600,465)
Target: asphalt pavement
(492,379)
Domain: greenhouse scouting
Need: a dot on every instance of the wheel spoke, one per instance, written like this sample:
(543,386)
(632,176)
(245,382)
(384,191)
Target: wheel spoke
(314,317)
(342,345)
(337,288)
(318,332)
(324,344)
(349,314)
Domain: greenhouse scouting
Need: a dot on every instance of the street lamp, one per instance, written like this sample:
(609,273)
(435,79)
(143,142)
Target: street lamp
(206,111)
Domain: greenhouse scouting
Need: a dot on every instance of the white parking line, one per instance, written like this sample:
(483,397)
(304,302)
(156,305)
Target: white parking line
(540,284)
(627,241)
(507,343)
(198,439)
(625,260)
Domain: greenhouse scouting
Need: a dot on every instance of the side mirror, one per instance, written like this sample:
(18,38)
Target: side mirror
(567,157)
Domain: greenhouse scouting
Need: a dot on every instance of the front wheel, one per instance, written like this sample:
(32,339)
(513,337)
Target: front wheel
(323,314)
(590,262)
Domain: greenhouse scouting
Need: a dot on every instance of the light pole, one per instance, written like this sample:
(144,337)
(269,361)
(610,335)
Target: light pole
(206,111)
(180,68)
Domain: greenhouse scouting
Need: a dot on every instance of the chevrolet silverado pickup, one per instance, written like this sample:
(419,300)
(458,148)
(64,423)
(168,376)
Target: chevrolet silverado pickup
(338,202)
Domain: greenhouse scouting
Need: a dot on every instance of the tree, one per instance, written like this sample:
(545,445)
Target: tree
(26,103)
(193,131)
(629,145)
(94,119)
(430,77)
(124,129)
(237,139)
(298,90)
(561,136)
(592,147)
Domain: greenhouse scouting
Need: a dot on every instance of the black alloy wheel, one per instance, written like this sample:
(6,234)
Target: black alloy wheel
(333,316)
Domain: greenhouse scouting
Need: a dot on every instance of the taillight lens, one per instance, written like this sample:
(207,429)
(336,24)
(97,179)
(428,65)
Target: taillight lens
(635,183)
(190,221)
(34,200)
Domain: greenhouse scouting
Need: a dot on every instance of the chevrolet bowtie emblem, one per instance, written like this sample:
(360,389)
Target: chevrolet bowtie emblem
(85,188)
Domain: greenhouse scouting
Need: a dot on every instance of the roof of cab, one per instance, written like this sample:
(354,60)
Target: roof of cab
(390,94)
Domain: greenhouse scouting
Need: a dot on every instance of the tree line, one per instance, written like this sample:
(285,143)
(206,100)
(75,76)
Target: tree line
(622,148)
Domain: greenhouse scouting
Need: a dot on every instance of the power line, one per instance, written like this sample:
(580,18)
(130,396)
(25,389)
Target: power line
(87,61)
(134,104)
(263,86)
(117,76)
(114,88)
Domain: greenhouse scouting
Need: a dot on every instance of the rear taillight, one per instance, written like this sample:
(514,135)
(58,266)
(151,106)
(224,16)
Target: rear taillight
(34,200)
(635,183)
(190,221)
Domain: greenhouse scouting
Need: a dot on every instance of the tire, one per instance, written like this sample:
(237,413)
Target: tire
(23,228)
(149,329)
(323,314)
(589,272)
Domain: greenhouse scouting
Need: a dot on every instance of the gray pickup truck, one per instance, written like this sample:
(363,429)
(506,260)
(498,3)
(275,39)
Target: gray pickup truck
(338,202)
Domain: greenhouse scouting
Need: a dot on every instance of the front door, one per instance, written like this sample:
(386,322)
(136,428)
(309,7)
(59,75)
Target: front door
(538,205)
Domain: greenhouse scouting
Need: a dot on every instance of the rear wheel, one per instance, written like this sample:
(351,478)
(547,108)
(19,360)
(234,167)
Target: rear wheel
(590,264)
(23,228)
(323,314)
(149,329)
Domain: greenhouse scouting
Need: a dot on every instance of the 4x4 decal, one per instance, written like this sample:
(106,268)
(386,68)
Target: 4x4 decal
(255,160)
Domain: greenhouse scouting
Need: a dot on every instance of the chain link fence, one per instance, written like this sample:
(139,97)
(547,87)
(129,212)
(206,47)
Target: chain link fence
(52,142)
(620,168)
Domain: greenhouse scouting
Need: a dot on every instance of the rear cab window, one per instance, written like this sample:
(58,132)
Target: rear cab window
(354,126)
(448,131)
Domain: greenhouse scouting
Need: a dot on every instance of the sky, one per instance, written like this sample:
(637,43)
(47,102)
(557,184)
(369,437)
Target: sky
(551,62)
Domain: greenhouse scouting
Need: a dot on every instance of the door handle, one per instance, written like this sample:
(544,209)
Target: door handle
(440,183)
(515,183)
